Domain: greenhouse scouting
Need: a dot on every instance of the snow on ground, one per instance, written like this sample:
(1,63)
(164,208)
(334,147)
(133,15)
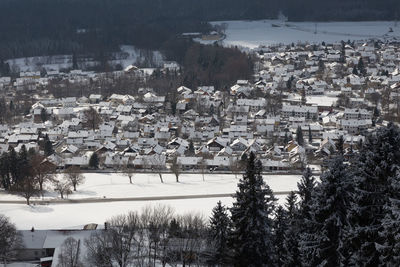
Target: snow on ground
(74,216)
(251,34)
(116,185)
(56,216)
(322,100)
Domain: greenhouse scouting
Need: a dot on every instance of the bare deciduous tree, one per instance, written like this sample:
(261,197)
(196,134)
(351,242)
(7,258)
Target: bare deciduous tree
(28,188)
(158,164)
(70,253)
(186,245)
(129,171)
(156,220)
(62,186)
(92,119)
(41,171)
(74,175)
(116,245)
(9,239)
(235,166)
(203,167)
(176,168)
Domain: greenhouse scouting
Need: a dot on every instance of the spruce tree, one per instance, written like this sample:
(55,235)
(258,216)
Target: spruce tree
(280,228)
(254,204)
(219,235)
(374,171)
(390,233)
(48,146)
(361,67)
(340,145)
(329,209)
(299,136)
(94,161)
(292,255)
(306,187)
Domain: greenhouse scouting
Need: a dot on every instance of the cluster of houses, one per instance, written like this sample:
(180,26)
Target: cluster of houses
(327,91)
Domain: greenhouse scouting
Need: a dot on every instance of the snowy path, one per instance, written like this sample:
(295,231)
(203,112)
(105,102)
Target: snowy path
(99,200)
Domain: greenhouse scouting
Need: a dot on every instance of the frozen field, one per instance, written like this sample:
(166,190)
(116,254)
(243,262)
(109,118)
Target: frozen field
(251,34)
(117,186)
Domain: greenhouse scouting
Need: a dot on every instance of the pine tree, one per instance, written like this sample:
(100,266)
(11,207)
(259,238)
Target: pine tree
(360,66)
(309,135)
(94,161)
(355,71)
(329,217)
(374,169)
(280,228)
(390,248)
(48,146)
(254,204)
(190,151)
(292,255)
(306,187)
(43,115)
(340,145)
(299,136)
(219,235)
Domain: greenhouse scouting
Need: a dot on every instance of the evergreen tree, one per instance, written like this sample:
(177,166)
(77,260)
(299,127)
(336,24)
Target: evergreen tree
(355,71)
(361,67)
(219,235)
(280,228)
(292,255)
(306,187)
(329,217)
(309,135)
(390,248)
(299,136)
(94,161)
(43,115)
(190,150)
(254,204)
(5,171)
(48,146)
(13,165)
(374,171)
(340,145)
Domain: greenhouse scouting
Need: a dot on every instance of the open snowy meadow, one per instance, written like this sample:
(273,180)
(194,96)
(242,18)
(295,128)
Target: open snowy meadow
(251,34)
(116,186)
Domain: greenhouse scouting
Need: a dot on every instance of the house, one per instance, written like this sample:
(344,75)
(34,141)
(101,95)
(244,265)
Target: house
(309,112)
(95,98)
(188,163)
(356,114)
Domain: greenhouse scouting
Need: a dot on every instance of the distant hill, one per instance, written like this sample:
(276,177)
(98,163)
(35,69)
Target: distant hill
(37,27)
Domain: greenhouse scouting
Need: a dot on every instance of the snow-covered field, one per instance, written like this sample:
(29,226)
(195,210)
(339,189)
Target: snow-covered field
(98,185)
(251,34)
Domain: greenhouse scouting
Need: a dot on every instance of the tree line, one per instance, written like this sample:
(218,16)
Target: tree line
(46,27)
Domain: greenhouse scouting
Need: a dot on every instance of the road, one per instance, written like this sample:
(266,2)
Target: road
(99,200)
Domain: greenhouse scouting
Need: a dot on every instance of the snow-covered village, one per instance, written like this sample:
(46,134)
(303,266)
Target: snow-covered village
(265,142)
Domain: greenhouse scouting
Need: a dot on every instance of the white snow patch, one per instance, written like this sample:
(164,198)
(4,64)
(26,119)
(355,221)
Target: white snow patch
(251,34)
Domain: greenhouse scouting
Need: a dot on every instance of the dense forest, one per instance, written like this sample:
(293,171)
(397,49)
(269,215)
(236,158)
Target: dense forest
(45,27)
